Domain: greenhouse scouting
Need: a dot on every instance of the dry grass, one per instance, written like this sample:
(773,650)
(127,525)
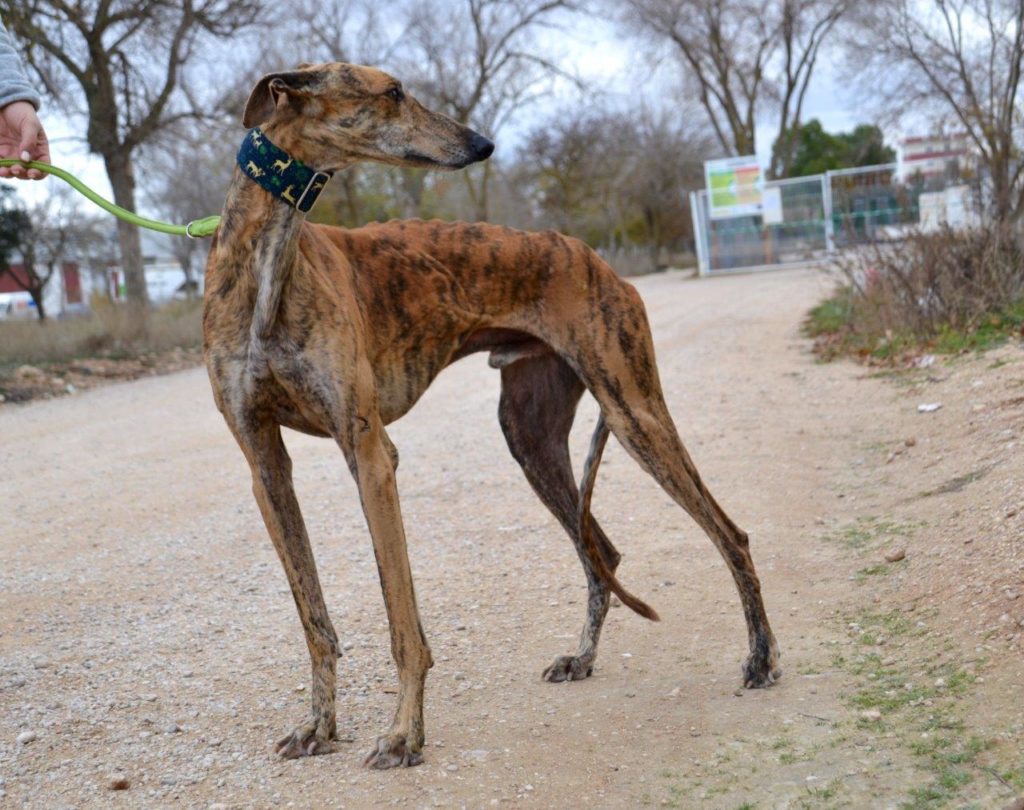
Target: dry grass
(945,291)
(109,332)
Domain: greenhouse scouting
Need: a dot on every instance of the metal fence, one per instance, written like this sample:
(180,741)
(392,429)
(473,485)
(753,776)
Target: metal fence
(804,219)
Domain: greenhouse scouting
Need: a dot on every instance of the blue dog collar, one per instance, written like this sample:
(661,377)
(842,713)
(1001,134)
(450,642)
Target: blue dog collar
(273,169)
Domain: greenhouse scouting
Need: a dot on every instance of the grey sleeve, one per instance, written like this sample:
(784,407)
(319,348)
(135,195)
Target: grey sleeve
(14,84)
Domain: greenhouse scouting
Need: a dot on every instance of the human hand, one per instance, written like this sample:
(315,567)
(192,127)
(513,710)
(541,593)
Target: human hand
(22,137)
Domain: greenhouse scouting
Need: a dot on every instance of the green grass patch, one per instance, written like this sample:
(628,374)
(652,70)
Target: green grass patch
(991,331)
(832,315)
(881,570)
(867,532)
(918,701)
(821,796)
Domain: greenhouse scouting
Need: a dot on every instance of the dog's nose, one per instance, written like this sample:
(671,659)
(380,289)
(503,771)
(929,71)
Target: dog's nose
(482,147)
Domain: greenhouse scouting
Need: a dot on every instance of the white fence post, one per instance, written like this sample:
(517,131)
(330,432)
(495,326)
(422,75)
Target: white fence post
(826,204)
(699,233)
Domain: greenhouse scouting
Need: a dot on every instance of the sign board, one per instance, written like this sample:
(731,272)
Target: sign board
(771,206)
(734,186)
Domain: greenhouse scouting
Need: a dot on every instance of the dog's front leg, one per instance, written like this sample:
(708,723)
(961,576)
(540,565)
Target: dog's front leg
(272,486)
(374,470)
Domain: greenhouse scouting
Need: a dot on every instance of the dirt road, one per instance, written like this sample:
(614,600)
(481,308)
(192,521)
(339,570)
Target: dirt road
(147,633)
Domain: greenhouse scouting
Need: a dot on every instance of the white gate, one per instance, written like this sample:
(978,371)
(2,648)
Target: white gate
(804,219)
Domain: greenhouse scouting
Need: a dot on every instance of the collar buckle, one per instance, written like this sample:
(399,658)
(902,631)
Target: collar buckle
(312,191)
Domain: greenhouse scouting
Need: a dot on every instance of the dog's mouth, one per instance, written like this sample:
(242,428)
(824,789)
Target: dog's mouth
(479,148)
(421,161)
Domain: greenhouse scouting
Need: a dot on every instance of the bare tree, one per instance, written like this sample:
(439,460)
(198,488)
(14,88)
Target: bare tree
(478,60)
(127,58)
(805,26)
(364,32)
(574,164)
(667,162)
(614,178)
(961,61)
(182,196)
(352,30)
(743,56)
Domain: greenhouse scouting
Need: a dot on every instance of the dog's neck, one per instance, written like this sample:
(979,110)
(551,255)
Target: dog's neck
(260,230)
(279,172)
(262,222)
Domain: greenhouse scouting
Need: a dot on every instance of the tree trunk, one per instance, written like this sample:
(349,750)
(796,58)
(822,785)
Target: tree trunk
(1001,202)
(122,180)
(478,193)
(37,299)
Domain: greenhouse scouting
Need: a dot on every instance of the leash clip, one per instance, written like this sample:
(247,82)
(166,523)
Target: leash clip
(312,190)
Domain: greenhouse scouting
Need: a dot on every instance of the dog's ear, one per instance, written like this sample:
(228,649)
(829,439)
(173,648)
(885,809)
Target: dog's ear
(272,88)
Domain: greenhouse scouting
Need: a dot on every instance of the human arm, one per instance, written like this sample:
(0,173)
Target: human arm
(21,133)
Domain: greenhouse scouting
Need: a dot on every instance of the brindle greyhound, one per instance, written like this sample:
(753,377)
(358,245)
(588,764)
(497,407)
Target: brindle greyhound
(337,333)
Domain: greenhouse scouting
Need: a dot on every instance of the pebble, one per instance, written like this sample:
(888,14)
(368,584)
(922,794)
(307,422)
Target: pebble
(26,737)
(871,714)
(173,728)
(118,783)
(896,556)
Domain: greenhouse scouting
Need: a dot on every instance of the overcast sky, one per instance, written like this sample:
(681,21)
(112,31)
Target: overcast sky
(599,54)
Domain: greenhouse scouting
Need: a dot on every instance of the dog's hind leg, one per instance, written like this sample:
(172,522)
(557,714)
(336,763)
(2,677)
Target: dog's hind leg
(651,438)
(272,485)
(539,396)
(626,385)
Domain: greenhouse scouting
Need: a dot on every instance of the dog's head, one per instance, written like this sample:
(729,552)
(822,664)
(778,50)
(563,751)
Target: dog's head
(333,115)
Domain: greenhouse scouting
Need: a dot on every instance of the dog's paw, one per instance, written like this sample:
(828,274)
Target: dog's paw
(761,670)
(306,740)
(393,751)
(568,668)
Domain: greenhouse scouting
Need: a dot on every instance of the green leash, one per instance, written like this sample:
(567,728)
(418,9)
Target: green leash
(195,229)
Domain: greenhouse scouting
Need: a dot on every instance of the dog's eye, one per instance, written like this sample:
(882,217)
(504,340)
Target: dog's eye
(396,94)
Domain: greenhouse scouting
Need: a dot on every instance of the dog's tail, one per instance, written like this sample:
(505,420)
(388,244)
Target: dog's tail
(597,443)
